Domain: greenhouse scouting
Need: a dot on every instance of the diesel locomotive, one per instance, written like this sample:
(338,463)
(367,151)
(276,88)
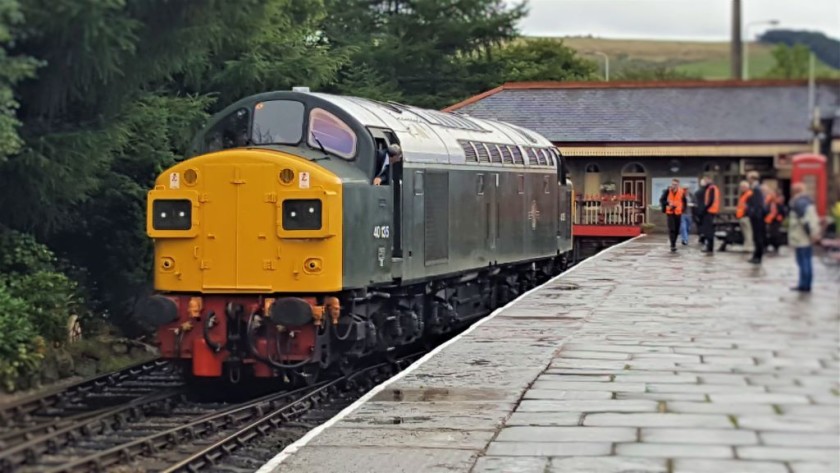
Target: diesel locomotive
(276,255)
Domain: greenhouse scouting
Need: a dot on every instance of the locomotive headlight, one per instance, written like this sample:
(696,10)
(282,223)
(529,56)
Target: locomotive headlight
(172,214)
(303,214)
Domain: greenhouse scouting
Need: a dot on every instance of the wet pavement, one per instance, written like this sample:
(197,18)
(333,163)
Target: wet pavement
(637,360)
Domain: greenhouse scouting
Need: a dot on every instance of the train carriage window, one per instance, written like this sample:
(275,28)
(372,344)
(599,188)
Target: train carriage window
(479,184)
(278,122)
(229,132)
(331,132)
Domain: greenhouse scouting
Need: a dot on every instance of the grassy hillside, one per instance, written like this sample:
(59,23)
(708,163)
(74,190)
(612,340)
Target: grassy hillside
(709,60)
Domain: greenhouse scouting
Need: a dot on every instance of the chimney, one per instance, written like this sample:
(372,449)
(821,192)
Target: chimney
(737,47)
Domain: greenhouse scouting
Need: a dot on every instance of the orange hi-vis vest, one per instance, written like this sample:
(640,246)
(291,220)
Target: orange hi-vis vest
(741,211)
(772,208)
(675,199)
(714,206)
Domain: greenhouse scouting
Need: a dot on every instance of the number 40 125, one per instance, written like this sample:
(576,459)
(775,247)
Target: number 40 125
(382,231)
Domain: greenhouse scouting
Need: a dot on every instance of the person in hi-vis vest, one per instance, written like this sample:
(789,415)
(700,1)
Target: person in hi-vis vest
(673,203)
(741,215)
(711,207)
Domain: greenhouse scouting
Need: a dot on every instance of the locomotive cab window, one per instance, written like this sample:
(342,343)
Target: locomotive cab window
(278,122)
(230,132)
(329,131)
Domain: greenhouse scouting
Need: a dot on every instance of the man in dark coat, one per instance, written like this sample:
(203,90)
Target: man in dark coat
(755,212)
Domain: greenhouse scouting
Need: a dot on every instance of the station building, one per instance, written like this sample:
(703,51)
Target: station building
(625,141)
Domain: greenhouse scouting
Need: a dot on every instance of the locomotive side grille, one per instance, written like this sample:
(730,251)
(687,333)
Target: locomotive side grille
(495,154)
(483,154)
(469,151)
(436,203)
(507,156)
(517,154)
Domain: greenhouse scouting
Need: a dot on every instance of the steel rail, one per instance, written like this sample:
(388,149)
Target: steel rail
(210,455)
(29,405)
(27,452)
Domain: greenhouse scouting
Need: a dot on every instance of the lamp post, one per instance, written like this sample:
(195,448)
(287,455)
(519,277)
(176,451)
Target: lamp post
(747,42)
(606,65)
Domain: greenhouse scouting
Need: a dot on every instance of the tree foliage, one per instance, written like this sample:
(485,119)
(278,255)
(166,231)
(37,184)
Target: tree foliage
(543,60)
(826,49)
(99,96)
(791,62)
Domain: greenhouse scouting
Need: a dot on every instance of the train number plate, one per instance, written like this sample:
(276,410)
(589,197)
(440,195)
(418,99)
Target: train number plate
(382,231)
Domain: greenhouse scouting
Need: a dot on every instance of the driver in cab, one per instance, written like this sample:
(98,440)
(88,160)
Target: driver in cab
(392,155)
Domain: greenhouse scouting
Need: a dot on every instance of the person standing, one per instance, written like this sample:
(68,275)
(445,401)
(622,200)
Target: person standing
(711,207)
(685,221)
(775,215)
(673,203)
(699,210)
(803,232)
(755,212)
(741,215)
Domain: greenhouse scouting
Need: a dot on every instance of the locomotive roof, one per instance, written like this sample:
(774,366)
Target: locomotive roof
(425,135)
(400,117)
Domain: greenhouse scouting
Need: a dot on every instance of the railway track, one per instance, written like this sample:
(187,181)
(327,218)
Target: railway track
(166,431)
(36,415)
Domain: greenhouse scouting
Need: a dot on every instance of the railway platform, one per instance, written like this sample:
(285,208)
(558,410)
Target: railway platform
(635,360)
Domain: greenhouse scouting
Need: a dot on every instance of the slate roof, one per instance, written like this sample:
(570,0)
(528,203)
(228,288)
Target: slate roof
(666,112)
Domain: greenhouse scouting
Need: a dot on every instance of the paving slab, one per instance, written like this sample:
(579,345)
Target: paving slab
(655,362)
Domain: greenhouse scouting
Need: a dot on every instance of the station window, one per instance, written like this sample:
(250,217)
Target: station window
(329,131)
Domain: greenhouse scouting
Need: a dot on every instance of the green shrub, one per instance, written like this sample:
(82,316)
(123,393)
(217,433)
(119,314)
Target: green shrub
(21,349)
(29,273)
(51,300)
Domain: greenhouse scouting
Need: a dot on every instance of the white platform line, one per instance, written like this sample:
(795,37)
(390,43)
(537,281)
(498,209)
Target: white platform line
(294,447)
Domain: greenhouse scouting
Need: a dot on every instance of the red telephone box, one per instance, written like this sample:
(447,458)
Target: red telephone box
(811,170)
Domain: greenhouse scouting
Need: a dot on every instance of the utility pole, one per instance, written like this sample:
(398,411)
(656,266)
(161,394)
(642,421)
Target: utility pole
(736,46)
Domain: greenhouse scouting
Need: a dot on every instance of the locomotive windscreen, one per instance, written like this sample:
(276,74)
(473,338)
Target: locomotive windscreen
(278,122)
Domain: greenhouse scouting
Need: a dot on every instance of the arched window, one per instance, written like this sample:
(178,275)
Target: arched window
(633,168)
(592,167)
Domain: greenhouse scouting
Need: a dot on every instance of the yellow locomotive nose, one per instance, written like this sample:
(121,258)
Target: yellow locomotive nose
(246,221)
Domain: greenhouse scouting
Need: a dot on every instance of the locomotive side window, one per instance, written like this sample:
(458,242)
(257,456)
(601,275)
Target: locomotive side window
(330,131)
(229,132)
(278,122)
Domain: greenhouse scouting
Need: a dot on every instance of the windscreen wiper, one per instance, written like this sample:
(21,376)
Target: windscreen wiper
(320,145)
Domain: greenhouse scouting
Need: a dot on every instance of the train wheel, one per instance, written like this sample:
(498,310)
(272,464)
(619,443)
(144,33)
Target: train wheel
(308,374)
(346,366)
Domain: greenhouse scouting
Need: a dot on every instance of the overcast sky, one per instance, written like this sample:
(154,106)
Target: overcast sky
(674,19)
